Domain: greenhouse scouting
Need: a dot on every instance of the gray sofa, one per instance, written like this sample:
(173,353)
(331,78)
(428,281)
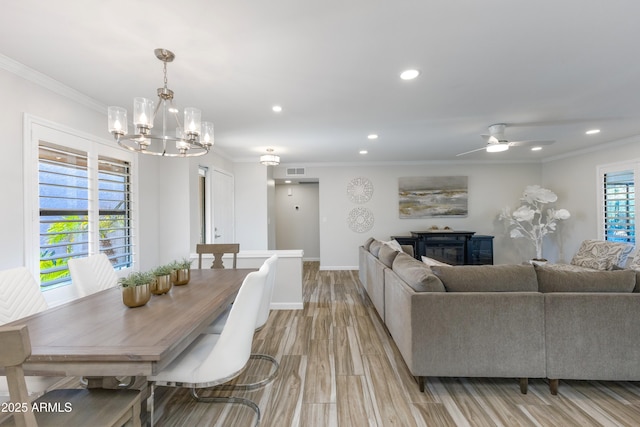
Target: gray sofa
(511,321)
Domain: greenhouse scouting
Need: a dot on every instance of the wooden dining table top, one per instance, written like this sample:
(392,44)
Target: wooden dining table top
(99,336)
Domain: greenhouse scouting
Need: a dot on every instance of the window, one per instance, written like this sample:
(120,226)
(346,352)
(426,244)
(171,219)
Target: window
(618,201)
(83,202)
(64,206)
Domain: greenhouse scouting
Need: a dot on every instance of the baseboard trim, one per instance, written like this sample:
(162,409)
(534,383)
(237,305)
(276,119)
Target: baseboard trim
(286,306)
(339,267)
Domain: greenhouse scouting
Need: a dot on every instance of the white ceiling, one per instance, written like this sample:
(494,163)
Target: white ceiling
(549,69)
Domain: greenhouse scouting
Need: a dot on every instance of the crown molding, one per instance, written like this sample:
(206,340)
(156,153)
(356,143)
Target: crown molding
(49,83)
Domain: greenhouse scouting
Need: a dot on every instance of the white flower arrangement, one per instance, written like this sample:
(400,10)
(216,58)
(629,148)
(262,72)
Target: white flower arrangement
(528,221)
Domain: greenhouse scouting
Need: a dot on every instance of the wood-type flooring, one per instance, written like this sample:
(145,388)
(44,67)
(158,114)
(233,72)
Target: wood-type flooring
(340,367)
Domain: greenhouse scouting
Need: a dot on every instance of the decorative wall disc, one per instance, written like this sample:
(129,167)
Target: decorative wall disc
(360,220)
(360,190)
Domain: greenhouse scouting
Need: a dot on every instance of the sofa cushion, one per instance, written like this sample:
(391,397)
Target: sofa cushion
(416,274)
(367,244)
(601,254)
(374,248)
(387,254)
(488,278)
(554,280)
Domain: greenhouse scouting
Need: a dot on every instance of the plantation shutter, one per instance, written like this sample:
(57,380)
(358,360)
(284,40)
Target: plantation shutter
(619,206)
(63,203)
(115,231)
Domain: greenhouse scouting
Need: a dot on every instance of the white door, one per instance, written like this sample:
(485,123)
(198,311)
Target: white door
(223,202)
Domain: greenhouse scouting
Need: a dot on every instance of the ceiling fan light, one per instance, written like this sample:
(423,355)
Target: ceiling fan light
(496,148)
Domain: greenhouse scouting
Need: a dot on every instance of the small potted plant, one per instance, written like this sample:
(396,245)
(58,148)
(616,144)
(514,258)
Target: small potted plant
(136,288)
(162,279)
(182,272)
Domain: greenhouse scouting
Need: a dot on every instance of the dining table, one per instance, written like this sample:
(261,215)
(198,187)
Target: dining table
(98,336)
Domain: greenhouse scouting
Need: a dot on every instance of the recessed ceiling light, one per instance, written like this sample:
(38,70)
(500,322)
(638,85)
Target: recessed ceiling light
(409,74)
(277,109)
(536,148)
(592,131)
(363,151)
(372,136)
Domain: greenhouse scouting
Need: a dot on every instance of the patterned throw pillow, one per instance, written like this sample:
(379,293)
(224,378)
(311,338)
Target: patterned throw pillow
(601,254)
(635,262)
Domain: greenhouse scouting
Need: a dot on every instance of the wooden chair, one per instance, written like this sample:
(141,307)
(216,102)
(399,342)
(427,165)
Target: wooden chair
(72,407)
(218,250)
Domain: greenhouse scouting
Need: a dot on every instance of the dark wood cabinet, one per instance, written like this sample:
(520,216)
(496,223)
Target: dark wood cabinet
(480,250)
(452,247)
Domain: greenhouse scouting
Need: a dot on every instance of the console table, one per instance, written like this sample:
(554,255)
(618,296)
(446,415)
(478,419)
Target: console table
(450,246)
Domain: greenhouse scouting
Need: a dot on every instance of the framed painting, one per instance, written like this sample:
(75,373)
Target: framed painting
(433,196)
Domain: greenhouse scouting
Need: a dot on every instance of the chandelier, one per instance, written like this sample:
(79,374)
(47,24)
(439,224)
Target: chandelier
(270,159)
(195,138)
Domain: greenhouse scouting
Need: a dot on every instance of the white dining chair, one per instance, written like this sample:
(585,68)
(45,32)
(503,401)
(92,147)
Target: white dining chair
(263,315)
(61,407)
(92,274)
(20,296)
(216,359)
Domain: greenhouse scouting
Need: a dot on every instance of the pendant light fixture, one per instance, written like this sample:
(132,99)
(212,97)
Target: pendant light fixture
(173,139)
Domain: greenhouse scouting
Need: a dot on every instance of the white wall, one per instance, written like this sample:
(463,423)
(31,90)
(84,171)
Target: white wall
(251,206)
(298,228)
(491,187)
(575,181)
(75,111)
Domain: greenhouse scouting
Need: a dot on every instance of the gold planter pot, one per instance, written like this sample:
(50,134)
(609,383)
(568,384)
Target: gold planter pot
(181,276)
(161,284)
(135,296)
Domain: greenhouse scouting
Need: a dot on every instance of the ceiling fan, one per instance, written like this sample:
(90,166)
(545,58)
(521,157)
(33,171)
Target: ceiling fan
(497,142)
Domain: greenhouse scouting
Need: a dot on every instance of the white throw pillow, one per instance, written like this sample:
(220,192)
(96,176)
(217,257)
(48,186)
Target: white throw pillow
(432,262)
(394,244)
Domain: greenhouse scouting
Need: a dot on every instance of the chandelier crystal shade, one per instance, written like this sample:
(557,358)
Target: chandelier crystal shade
(194,138)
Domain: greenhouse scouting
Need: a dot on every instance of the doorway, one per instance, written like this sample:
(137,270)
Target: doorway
(298,217)
(223,207)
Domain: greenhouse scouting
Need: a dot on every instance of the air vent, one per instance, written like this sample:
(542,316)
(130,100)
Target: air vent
(295,172)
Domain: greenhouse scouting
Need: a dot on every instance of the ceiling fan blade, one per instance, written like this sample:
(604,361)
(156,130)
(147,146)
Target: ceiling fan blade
(472,151)
(531,143)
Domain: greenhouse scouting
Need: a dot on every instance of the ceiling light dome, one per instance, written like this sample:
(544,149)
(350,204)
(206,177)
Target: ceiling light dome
(409,74)
(496,148)
(270,159)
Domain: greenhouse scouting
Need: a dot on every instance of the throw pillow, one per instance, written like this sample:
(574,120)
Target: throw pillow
(488,278)
(554,280)
(431,262)
(601,254)
(374,248)
(367,244)
(635,262)
(416,274)
(387,254)
(394,244)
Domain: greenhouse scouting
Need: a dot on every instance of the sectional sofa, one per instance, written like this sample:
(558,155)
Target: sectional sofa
(511,321)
